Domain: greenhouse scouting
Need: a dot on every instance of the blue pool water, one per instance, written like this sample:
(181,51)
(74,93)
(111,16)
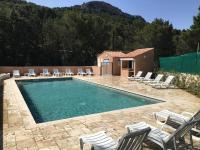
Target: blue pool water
(53,99)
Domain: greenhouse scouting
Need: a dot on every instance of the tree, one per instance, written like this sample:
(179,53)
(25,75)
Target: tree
(158,34)
(37,35)
(194,33)
(181,42)
(188,39)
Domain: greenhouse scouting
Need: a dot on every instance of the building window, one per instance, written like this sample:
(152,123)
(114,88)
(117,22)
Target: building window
(106,62)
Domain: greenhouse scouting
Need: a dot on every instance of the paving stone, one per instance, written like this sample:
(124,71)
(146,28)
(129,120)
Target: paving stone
(20,132)
(45,143)
(28,143)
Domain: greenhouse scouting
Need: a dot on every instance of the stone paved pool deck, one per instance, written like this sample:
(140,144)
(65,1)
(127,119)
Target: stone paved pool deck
(20,132)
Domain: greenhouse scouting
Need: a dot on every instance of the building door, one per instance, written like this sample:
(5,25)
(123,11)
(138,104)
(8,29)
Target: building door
(106,67)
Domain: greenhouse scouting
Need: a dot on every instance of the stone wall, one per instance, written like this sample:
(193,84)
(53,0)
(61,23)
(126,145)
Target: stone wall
(39,69)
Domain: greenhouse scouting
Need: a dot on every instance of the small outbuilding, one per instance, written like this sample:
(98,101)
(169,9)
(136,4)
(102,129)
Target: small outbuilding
(126,64)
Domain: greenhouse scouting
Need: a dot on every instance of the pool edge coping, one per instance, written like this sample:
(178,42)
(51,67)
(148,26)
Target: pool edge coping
(31,119)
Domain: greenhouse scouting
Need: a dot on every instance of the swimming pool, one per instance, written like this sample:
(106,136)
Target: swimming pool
(54,99)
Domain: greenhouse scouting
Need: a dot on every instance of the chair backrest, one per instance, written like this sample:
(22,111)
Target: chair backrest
(133,140)
(55,71)
(88,71)
(68,70)
(182,130)
(80,70)
(16,72)
(148,76)
(198,126)
(31,71)
(169,79)
(138,74)
(158,77)
(196,116)
(45,70)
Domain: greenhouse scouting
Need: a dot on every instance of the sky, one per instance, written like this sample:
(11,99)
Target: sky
(178,12)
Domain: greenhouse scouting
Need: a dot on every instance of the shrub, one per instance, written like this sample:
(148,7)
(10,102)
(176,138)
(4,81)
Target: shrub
(188,82)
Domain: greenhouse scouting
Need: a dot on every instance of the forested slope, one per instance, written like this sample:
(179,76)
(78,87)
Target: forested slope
(37,35)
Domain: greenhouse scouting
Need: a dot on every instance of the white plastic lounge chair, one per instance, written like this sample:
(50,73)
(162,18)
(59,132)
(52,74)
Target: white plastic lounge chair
(56,72)
(165,84)
(81,72)
(89,72)
(154,81)
(172,120)
(138,75)
(16,73)
(130,141)
(45,72)
(146,78)
(166,141)
(31,73)
(69,72)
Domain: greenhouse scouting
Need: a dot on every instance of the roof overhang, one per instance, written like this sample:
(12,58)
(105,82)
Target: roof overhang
(126,59)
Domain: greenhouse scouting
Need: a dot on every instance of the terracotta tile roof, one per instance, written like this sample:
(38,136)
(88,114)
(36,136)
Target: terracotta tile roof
(114,53)
(129,54)
(138,52)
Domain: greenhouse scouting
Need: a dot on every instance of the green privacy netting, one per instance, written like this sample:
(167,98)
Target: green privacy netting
(188,63)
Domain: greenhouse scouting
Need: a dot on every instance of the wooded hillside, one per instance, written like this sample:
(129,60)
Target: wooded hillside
(37,35)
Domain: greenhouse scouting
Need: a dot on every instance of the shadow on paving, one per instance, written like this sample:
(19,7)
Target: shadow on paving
(1,117)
